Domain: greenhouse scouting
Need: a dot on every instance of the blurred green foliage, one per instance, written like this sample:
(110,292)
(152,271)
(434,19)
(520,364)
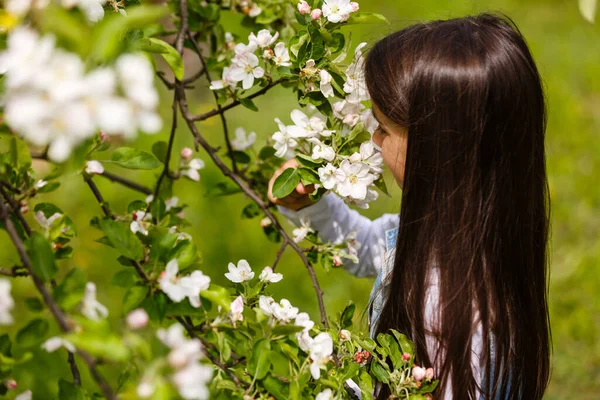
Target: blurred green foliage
(567,50)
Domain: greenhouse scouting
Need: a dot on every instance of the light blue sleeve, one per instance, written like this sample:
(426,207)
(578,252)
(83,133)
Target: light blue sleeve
(334,220)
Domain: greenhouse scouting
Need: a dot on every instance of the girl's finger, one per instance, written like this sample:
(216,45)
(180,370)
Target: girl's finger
(300,188)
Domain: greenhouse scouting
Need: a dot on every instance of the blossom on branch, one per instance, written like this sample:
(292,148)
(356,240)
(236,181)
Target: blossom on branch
(90,307)
(267,275)
(241,273)
(6,302)
(242,140)
(178,288)
(56,342)
(303,230)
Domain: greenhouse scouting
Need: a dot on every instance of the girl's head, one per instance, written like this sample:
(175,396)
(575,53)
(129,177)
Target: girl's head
(462,123)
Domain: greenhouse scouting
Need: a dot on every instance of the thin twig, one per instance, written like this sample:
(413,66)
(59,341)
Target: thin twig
(126,182)
(74,369)
(279,253)
(165,171)
(109,214)
(219,108)
(13,272)
(16,210)
(235,103)
(194,77)
(59,316)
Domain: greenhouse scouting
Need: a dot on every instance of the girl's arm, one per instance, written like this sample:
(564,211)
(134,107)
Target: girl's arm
(334,220)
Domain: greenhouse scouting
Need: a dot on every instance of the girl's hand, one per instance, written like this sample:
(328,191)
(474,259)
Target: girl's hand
(298,198)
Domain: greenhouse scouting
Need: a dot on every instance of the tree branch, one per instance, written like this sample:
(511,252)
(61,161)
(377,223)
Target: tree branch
(219,108)
(165,171)
(126,182)
(235,103)
(13,272)
(109,214)
(59,316)
(279,253)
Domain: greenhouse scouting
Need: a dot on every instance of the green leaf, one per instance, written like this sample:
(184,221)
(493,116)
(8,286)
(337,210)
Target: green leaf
(33,333)
(223,189)
(168,52)
(240,157)
(125,278)
(136,205)
(308,176)
(68,391)
(34,304)
(122,239)
(286,330)
(128,157)
(379,372)
(185,252)
(71,290)
(72,31)
(49,187)
(276,388)
(159,149)
(266,153)
(260,363)
(108,34)
(307,161)
(380,184)
(251,210)
(286,183)
(106,346)
(41,256)
(248,103)
(367,18)
(134,297)
(218,295)
(347,314)
(405,344)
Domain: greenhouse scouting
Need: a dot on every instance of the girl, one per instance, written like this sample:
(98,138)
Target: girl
(462,269)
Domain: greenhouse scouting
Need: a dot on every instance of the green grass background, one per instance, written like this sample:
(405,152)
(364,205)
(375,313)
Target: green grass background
(567,50)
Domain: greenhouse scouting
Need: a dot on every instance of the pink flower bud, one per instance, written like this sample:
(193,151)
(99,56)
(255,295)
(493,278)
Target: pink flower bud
(337,261)
(429,373)
(315,14)
(186,153)
(418,373)
(103,136)
(353,6)
(11,383)
(303,7)
(137,319)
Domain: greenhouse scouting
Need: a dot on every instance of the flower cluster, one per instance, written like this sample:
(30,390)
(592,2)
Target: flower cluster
(92,8)
(52,100)
(191,376)
(245,66)
(188,166)
(335,11)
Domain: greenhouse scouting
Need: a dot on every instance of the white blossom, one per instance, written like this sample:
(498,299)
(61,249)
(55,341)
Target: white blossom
(236,309)
(6,302)
(321,151)
(353,179)
(371,196)
(92,8)
(284,311)
(325,83)
(242,140)
(284,142)
(254,10)
(349,113)
(171,202)
(44,222)
(305,127)
(265,303)
(191,381)
(90,307)
(178,288)
(191,169)
(303,320)
(246,70)
(263,39)
(303,230)
(355,83)
(337,10)
(267,275)
(138,222)
(326,394)
(22,7)
(26,395)
(319,351)
(369,156)
(225,81)
(94,167)
(327,176)
(345,335)
(56,342)
(282,56)
(240,273)
(145,389)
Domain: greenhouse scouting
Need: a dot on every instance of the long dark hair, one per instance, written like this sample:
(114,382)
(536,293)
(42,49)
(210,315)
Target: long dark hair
(475,200)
